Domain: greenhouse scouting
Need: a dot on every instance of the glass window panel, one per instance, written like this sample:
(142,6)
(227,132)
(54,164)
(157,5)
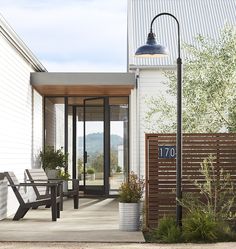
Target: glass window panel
(80,144)
(118,142)
(70,141)
(94,142)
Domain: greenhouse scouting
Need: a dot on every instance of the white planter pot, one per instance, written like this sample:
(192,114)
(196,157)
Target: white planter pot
(88,177)
(129,216)
(65,186)
(52,173)
(91,177)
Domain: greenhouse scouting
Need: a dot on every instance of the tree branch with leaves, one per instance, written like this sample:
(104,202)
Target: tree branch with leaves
(209,87)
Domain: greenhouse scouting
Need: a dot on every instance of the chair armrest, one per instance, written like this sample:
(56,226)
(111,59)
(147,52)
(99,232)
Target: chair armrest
(48,181)
(75,181)
(69,180)
(33,184)
(37,180)
(72,180)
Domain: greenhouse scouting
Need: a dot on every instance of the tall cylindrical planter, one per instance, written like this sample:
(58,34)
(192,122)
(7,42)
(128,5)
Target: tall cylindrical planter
(129,216)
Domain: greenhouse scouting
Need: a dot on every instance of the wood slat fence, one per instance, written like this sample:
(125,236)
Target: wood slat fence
(161,172)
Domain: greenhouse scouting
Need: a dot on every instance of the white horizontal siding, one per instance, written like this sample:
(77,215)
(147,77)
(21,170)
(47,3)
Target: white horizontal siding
(37,128)
(16,110)
(150,84)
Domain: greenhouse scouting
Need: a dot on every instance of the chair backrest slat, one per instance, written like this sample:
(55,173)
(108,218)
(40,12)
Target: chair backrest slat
(19,191)
(34,175)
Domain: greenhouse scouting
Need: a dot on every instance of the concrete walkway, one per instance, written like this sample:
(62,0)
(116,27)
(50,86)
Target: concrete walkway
(95,221)
(7,245)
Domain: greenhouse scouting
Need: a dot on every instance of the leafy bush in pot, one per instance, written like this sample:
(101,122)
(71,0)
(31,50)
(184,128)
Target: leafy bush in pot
(90,171)
(53,159)
(132,190)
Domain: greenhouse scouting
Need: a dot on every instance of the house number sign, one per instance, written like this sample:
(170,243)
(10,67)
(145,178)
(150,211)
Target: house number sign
(167,152)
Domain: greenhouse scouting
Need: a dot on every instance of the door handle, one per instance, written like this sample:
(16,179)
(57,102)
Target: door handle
(85,157)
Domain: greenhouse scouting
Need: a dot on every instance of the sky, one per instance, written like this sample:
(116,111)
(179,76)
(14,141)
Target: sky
(72,35)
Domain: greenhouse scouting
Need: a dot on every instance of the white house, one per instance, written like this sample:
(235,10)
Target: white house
(93,115)
(20,106)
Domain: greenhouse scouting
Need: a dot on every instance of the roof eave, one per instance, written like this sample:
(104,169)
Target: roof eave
(83,84)
(21,47)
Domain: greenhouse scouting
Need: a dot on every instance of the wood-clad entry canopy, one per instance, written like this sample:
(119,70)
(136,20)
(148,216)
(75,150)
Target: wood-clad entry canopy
(83,84)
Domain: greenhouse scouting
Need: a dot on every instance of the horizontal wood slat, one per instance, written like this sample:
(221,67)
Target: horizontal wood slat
(161,172)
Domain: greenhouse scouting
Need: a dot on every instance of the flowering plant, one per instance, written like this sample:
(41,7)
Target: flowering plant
(132,190)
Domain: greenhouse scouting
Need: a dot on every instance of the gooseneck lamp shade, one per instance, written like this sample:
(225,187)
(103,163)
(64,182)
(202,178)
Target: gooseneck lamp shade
(152,48)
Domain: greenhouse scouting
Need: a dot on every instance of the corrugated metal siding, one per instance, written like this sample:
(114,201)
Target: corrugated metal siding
(204,17)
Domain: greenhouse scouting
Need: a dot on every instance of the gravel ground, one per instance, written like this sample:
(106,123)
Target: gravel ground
(40,245)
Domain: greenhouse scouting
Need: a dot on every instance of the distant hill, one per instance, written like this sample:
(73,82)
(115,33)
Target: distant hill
(94,143)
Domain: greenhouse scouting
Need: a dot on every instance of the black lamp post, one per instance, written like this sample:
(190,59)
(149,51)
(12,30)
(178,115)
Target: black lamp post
(152,49)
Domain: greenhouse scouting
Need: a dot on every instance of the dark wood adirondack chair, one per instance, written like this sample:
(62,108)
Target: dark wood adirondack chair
(38,175)
(18,188)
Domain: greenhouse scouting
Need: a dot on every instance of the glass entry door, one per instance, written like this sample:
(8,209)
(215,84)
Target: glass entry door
(93,176)
(98,149)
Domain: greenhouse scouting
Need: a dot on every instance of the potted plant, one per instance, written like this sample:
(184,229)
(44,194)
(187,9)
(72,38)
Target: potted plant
(65,176)
(53,160)
(130,195)
(91,174)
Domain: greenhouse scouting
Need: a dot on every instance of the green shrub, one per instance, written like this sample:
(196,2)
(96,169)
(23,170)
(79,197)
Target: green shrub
(209,210)
(118,169)
(199,226)
(225,232)
(217,192)
(202,227)
(90,171)
(167,231)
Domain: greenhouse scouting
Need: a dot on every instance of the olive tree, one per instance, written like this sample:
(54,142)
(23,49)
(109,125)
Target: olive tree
(209,88)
